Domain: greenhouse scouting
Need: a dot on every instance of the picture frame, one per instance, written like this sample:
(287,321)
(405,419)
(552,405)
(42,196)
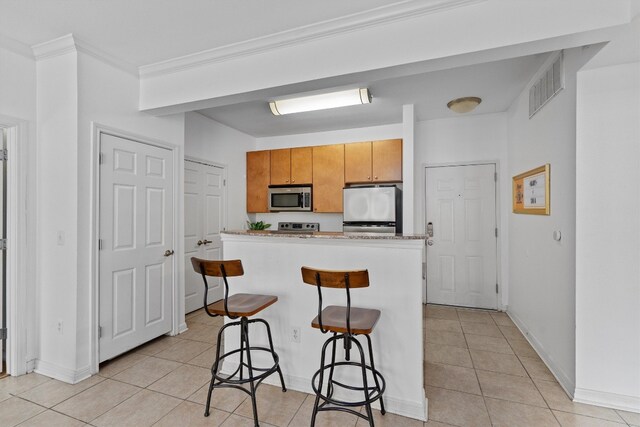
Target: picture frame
(532,191)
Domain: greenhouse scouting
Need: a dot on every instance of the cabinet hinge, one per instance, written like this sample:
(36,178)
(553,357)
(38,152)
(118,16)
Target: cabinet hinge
(3,244)
(3,334)
(496,288)
(495,176)
(496,231)
(101,158)
(4,155)
(99,244)
(224,182)
(99,331)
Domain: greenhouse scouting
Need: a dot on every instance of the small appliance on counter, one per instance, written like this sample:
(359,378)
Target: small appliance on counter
(289,198)
(298,227)
(373,209)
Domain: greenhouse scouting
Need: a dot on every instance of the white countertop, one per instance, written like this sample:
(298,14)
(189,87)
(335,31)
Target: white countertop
(326,235)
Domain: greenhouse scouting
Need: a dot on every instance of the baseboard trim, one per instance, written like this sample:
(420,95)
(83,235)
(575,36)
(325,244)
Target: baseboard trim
(609,400)
(182,328)
(563,379)
(61,373)
(405,408)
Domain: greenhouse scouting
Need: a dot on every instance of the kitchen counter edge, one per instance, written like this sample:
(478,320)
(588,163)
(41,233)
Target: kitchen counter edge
(325,235)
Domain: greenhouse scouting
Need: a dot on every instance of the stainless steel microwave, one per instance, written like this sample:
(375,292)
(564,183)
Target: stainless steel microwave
(287,198)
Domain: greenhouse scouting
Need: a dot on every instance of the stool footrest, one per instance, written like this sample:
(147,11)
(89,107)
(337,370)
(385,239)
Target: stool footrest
(373,392)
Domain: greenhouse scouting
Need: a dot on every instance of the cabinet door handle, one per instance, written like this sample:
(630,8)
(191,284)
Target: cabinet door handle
(168,252)
(375,177)
(200,243)
(205,241)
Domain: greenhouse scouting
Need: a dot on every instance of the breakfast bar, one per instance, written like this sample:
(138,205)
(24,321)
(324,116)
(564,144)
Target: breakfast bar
(272,265)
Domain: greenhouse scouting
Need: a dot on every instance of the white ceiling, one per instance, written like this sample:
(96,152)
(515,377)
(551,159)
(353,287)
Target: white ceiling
(141,32)
(497,83)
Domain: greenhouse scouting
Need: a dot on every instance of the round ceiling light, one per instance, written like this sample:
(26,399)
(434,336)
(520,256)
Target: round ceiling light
(464,105)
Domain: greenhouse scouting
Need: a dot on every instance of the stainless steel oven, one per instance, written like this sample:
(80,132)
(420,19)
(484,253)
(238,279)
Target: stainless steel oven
(287,198)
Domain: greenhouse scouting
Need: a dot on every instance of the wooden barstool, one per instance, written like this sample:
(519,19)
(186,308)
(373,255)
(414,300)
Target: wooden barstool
(237,306)
(345,323)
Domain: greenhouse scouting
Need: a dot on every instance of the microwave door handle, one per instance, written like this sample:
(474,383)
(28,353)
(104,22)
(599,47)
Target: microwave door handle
(301,200)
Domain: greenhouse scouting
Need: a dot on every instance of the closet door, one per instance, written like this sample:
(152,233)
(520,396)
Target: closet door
(205,218)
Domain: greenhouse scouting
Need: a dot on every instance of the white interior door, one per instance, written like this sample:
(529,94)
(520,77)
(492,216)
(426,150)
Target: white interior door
(204,201)
(461,254)
(136,231)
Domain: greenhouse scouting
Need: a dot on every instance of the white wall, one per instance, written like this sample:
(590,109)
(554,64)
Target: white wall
(327,221)
(467,139)
(57,183)
(608,237)
(542,270)
(209,140)
(74,90)
(18,104)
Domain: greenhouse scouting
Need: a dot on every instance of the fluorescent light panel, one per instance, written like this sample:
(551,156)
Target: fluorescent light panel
(323,101)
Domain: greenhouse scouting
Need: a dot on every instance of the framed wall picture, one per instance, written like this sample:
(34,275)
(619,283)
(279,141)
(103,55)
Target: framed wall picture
(531,191)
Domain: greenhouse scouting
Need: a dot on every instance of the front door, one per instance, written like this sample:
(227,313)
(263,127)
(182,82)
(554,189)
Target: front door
(136,244)
(204,208)
(461,254)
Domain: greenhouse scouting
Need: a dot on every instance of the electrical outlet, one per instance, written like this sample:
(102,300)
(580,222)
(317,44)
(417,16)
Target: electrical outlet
(59,326)
(295,334)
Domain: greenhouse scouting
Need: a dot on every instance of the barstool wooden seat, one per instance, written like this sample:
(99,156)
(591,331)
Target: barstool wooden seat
(345,323)
(237,306)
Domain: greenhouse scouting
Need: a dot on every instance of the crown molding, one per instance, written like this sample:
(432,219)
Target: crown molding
(70,43)
(379,16)
(56,47)
(15,46)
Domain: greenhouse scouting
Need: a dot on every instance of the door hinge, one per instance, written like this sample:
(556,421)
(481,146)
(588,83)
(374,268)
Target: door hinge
(224,182)
(3,334)
(4,155)
(99,244)
(496,288)
(99,331)
(3,244)
(496,231)
(495,176)
(101,158)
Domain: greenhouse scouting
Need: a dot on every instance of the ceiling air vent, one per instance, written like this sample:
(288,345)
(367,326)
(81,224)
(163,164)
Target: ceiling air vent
(550,82)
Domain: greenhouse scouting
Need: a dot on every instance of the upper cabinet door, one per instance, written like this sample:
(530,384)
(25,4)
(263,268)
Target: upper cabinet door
(258,177)
(387,160)
(357,162)
(280,166)
(302,165)
(328,178)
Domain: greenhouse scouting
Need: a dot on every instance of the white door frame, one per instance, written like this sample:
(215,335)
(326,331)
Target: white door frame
(96,131)
(226,203)
(496,163)
(20,247)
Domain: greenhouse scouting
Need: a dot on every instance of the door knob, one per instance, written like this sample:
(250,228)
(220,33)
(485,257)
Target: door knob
(205,241)
(200,243)
(168,252)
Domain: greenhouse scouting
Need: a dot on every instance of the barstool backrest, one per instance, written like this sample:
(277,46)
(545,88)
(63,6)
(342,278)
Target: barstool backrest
(217,268)
(335,279)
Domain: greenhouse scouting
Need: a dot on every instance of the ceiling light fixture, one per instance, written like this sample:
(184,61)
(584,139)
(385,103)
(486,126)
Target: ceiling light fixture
(322,101)
(464,105)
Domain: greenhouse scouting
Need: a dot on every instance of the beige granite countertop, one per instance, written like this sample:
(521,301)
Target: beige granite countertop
(326,235)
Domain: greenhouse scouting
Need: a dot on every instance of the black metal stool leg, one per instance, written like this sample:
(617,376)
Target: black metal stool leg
(284,388)
(214,369)
(317,402)
(333,364)
(363,365)
(245,334)
(375,377)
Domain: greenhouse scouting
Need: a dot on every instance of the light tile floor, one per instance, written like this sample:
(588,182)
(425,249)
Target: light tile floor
(479,370)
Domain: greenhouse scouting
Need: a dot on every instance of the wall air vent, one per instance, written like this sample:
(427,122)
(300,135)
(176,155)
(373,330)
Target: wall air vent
(550,82)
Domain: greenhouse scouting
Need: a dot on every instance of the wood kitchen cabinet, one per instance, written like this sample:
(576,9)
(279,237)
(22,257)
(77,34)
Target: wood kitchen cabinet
(328,178)
(291,166)
(377,161)
(258,178)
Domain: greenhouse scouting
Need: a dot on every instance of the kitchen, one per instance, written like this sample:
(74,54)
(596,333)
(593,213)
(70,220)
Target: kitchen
(156,103)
